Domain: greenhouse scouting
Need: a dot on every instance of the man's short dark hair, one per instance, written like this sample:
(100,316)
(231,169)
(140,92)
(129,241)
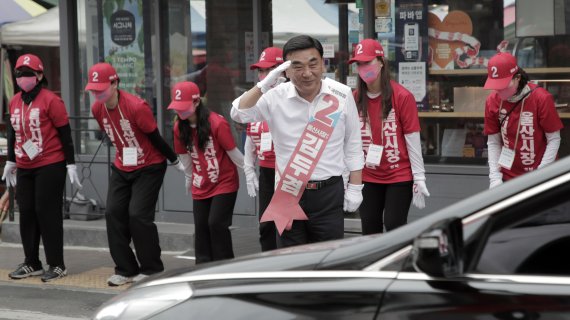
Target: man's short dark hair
(302,42)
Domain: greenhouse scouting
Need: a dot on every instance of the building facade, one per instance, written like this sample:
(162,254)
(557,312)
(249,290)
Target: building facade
(154,44)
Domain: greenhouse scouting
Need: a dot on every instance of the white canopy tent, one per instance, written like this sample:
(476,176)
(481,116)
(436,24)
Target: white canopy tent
(42,30)
(290,18)
(294,17)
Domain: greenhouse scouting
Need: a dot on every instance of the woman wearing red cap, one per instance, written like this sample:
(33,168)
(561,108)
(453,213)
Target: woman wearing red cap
(521,122)
(209,155)
(40,151)
(394,173)
(136,175)
(258,145)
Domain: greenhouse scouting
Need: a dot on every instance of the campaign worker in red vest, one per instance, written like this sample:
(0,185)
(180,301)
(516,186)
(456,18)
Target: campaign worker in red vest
(521,122)
(393,174)
(40,152)
(207,150)
(259,145)
(136,175)
(314,125)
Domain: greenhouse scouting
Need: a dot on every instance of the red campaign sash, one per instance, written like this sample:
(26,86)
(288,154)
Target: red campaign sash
(284,206)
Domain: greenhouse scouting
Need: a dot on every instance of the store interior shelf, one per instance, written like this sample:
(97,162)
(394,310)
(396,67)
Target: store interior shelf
(424,114)
(467,72)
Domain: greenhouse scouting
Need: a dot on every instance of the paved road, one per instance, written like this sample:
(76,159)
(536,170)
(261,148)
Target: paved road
(27,302)
(85,288)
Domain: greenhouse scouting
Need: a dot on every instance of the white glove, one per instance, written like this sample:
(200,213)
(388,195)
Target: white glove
(73,176)
(188,184)
(10,174)
(272,78)
(494,152)
(495,183)
(420,191)
(352,197)
(178,165)
(251,181)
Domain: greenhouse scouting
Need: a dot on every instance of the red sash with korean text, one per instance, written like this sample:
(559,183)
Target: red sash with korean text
(284,206)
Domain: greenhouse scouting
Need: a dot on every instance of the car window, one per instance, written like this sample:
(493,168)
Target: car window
(535,245)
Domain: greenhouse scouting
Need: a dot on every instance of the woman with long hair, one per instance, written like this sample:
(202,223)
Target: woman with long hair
(394,174)
(207,150)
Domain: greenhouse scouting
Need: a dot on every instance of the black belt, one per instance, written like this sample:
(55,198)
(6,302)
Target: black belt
(316,185)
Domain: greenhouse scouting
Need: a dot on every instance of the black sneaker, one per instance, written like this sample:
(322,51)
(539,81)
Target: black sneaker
(25,270)
(54,273)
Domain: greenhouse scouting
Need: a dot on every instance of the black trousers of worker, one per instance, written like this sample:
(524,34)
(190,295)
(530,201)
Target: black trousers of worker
(212,221)
(385,205)
(324,208)
(40,201)
(131,203)
(267,233)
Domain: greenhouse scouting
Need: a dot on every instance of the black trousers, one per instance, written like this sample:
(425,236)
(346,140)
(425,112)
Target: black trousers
(212,221)
(385,205)
(131,203)
(324,208)
(40,200)
(267,231)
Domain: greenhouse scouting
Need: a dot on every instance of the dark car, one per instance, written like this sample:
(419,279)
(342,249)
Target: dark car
(500,254)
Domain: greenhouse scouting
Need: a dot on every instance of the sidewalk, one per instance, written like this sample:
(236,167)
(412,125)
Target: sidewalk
(89,262)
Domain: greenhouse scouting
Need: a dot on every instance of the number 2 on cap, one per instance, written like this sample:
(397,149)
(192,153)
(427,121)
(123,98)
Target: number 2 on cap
(178,94)
(26,60)
(494,70)
(95,76)
(359,48)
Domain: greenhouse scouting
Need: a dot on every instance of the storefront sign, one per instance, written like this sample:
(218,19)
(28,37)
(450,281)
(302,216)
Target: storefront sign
(123,30)
(412,48)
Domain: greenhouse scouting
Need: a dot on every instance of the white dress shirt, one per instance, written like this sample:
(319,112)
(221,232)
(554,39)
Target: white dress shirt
(287,115)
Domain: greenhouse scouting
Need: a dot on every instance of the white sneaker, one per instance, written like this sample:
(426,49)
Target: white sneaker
(118,280)
(139,277)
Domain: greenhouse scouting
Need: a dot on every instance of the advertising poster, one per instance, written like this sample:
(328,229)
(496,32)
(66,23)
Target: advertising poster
(412,75)
(412,48)
(123,42)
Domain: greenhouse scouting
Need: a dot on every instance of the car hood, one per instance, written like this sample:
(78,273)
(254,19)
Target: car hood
(298,258)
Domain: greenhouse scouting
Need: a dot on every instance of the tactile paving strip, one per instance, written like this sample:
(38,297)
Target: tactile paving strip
(92,279)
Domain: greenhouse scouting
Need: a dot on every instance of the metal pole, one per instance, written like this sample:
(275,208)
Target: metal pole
(368,6)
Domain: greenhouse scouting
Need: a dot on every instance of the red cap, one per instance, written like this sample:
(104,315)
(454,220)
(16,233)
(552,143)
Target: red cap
(500,70)
(183,96)
(270,57)
(367,50)
(31,61)
(100,77)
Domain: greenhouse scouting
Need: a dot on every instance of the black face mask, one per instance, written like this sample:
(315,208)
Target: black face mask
(19,73)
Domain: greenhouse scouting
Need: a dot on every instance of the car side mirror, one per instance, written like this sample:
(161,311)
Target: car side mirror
(438,252)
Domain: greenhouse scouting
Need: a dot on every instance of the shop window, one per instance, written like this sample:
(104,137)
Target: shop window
(452,125)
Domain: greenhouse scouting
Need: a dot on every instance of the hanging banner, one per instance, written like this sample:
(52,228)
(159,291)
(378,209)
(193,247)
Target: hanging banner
(412,48)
